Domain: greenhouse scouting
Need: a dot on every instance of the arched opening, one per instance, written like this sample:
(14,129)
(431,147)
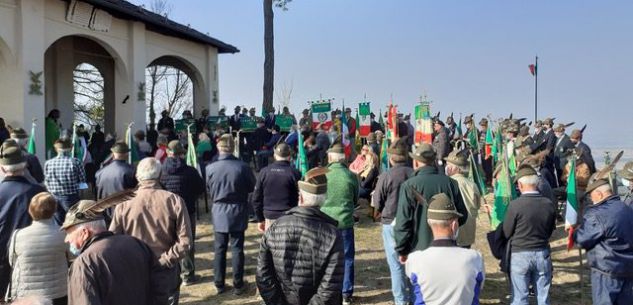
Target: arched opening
(79,82)
(89,87)
(171,84)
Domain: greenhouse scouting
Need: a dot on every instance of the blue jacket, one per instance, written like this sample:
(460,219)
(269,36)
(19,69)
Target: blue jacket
(115,177)
(276,190)
(183,180)
(15,197)
(607,234)
(229,182)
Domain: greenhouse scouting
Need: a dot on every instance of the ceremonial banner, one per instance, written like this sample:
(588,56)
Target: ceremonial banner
(302,159)
(182,125)
(365,121)
(248,124)
(284,122)
(31,147)
(344,135)
(214,121)
(132,156)
(192,158)
(423,124)
(392,123)
(321,115)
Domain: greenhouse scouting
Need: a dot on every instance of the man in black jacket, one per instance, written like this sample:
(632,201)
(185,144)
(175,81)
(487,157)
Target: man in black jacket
(385,200)
(301,254)
(184,181)
(32,162)
(529,222)
(276,188)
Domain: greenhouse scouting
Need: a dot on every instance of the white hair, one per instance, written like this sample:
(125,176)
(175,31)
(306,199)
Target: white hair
(280,158)
(335,157)
(148,169)
(461,169)
(310,200)
(529,180)
(14,168)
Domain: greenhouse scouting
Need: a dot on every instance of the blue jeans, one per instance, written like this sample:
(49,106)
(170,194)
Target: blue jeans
(400,284)
(531,267)
(607,290)
(348,249)
(64,202)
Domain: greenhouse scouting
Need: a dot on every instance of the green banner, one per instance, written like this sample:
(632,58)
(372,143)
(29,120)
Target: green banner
(321,107)
(181,125)
(214,121)
(363,109)
(248,124)
(284,122)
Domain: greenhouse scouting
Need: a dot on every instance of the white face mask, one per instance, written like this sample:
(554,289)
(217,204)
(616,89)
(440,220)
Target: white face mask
(626,182)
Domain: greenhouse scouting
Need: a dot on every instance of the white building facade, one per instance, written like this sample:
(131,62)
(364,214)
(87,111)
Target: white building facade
(42,41)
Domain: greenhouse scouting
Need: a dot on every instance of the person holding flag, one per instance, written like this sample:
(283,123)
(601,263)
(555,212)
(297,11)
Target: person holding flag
(33,166)
(529,223)
(606,232)
(185,181)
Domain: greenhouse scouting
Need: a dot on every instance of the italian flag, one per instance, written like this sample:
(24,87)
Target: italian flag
(489,142)
(423,124)
(129,140)
(364,116)
(571,210)
(392,122)
(344,135)
(31,147)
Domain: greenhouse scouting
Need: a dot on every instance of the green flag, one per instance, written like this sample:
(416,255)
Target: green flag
(384,158)
(380,120)
(504,193)
(302,159)
(31,147)
(129,140)
(458,129)
(474,174)
(192,158)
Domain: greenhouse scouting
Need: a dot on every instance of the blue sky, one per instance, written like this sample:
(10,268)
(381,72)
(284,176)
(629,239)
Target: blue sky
(467,56)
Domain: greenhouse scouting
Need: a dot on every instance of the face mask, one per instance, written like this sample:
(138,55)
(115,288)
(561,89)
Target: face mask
(456,234)
(74,250)
(626,182)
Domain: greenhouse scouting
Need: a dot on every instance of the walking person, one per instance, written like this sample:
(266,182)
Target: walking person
(185,181)
(160,219)
(37,254)
(342,196)
(606,232)
(301,254)
(229,182)
(528,224)
(385,199)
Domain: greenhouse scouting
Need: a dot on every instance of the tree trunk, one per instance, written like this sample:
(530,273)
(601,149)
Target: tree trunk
(269,54)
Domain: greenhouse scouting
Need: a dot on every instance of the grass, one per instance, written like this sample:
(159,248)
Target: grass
(373,283)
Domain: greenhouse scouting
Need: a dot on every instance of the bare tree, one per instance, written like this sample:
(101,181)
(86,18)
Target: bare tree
(167,88)
(269,51)
(88,86)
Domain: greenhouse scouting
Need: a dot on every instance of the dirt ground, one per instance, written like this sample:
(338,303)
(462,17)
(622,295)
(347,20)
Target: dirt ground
(372,273)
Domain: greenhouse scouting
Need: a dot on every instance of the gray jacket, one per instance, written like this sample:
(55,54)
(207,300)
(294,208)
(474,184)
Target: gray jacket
(37,254)
(385,198)
(115,177)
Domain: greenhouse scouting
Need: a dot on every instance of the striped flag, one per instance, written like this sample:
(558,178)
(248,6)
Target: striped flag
(571,210)
(364,124)
(192,158)
(129,140)
(344,135)
(31,147)
(423,124)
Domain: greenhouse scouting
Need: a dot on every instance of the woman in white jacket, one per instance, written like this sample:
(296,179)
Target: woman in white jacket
(38,254)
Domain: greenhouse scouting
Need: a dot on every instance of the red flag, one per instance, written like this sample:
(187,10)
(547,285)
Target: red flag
(570,239)
(532,69)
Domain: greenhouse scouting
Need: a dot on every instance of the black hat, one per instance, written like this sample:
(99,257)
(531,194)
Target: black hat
(282,150)
(483,122)
(399,147)
(596,184)
(120,147)
(315,181)
(441,207)
(424,153)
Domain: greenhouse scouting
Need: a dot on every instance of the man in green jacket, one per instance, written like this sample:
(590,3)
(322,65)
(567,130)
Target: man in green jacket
(411,230)
(342,195)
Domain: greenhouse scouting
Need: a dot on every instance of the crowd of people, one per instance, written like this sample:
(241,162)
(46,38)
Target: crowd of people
(110,230)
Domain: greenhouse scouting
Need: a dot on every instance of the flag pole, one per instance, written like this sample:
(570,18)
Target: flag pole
(536,89)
